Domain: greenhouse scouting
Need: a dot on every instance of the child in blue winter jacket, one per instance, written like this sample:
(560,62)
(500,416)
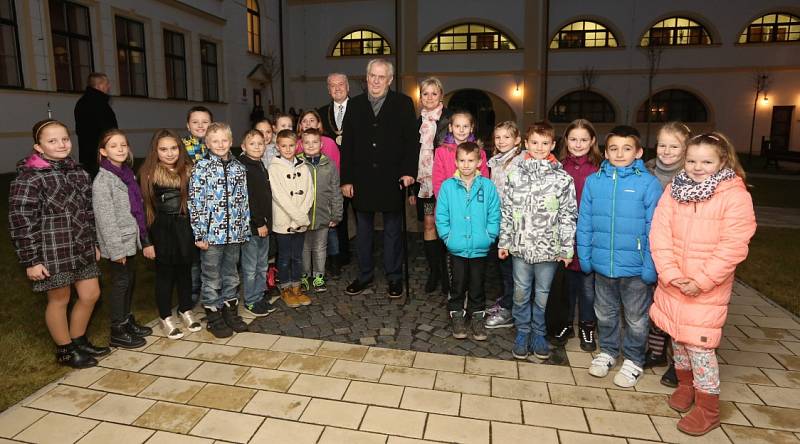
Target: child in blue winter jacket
(468,221)
(616,210)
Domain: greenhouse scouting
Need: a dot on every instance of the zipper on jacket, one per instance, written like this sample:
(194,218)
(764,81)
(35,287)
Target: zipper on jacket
(613,219)
(314,210)
(639,247)
(227,204)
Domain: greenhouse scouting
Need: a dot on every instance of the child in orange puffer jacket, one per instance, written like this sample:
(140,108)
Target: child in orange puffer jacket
(700,232)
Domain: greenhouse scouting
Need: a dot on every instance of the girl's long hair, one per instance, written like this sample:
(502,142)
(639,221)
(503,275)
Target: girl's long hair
(106,136)
(724,148)
(316,116)
(512,128)
(147,172)
(595,157)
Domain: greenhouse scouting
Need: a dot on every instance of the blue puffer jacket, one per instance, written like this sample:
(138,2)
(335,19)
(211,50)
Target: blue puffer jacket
(616,210)
(468,221)
(218,203)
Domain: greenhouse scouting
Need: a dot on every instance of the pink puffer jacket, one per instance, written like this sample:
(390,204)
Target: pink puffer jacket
(703,241)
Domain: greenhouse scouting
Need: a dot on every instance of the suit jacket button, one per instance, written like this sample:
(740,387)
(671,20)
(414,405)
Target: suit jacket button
(374,144)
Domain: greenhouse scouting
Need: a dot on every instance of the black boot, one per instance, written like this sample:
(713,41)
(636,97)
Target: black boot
(138,329)
(588,342)
(230,314)
(216,325)
(445,268)
(123,338)
(670,378)
(83,344)
(432,253)
(71,356)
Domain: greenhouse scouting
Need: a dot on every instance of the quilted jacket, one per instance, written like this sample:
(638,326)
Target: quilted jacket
(468,221)
(218,201)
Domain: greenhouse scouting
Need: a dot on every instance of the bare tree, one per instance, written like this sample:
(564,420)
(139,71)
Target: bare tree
(272,69)
(653,64)
(760,83)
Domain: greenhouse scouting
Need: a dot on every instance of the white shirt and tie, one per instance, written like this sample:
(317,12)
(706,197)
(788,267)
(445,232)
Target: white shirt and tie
(338,112)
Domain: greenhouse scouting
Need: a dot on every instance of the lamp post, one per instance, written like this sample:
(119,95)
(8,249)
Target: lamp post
(761,81)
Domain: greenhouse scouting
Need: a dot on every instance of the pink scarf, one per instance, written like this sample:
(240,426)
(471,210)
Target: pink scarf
(427,133)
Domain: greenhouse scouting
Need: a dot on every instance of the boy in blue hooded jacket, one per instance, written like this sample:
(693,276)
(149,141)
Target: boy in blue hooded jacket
(616,210)
(468,221)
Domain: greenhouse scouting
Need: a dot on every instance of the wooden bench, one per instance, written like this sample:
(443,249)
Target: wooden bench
(773,156)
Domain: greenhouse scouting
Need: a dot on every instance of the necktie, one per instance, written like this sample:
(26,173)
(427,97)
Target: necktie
(339,116)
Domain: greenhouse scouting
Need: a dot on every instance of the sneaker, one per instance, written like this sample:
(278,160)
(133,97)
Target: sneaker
(601,364)
(170,327)
(458,324)
(588,342)
(357,287)
(216,325)
(501,318)
(395,289)
(628,375)
(260,308)
(670,378)
(540,348)
(304,283)
(288,297)
(302,298)
(561,336)
(478,326)
(190,321)
(520,350)
(230,314)
(318,284)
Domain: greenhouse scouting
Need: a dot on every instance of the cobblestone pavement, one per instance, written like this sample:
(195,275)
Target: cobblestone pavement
(419,323)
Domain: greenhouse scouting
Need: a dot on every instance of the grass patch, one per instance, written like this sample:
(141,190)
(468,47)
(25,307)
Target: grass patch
(768,267)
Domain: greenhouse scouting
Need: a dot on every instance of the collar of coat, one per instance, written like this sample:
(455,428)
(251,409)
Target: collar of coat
(539,166)
(635,168)
(323,160)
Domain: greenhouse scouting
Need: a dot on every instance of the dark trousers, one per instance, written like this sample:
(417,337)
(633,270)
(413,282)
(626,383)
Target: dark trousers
(580,291)
(123,277)
(392,245)
(290,258)
(169,277)
(468,276)
(342,232)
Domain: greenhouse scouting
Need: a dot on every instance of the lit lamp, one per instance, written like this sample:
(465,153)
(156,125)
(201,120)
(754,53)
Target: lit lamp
(517,90)
(765,99)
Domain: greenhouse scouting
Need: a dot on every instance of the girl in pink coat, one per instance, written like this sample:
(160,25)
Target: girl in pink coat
(444,159)
(700,232)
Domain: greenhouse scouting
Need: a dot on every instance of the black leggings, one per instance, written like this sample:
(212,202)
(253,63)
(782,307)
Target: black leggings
(169,276)
(123,277)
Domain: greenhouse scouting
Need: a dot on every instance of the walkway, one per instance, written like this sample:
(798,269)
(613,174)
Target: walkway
(778,217)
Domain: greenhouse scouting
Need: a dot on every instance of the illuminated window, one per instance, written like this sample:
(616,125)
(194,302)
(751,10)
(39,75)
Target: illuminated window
(775,27)
(582,105)
(676,31)
(674,104)
(10,67)
(131,59)
(253,27)
(469,37)
(361,42)
(72,45)
(583,34)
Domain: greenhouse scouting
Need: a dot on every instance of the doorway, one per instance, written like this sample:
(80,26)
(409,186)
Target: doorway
(780,131)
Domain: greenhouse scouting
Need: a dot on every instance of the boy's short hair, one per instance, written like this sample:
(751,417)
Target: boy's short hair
(468,148)
(625,131)
(542,128)
(286,134)
(312,132)
(251,133)
(220,127)
(199,109)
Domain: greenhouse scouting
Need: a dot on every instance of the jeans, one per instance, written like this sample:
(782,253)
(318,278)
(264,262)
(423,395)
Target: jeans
(392,245)
(197,282)
(220,277)
(168,277)
(530,317)
(333,242)
(631,295)
(290,258)
(314,251)
(255,254)
(580,290)
(122,280)
(468,276)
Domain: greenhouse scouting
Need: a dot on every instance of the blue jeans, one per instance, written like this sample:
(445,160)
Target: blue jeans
(255,254)
(631,295)
(290,258)
(220,277)
(197,282)
(580,290)
(392,245)
(333,242)
(530,317)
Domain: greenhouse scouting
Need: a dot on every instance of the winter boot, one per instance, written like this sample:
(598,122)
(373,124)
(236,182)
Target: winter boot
(432,253)
(445,268)
(301,297)
(588,342)
(216,324)
(137,329)
(704,417)
(122,337)
(83,344)
(683,396)
(458,324)
(230,314)
(72,356)
(669,378)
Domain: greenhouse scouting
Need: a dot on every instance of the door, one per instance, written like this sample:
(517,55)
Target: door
(780,130)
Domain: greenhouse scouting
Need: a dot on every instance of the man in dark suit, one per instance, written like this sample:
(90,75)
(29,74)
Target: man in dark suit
(333,115)
(380,151)
(93,117)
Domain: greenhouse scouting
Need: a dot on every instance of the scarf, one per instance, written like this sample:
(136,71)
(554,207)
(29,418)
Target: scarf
(376,103)
(685,190)
(125,174)
(450,140)
(427,134)
(665,173)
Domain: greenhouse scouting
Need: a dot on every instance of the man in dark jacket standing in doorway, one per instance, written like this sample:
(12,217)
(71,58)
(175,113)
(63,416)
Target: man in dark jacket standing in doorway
(380,150)
(93,117)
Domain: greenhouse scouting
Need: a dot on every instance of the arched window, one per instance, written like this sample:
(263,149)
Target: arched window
(582,105)
(676,31)
(253,27)
(469,37)
(584,34)
(674,104)
(774,27)
(361,42)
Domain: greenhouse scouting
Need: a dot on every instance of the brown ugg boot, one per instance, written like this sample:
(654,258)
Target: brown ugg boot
(301,297)
(704,417)
(287,294)
(683,396)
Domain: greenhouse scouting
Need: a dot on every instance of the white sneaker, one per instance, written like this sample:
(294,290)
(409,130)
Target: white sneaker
(601,365)
(170,327)
(628,375)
